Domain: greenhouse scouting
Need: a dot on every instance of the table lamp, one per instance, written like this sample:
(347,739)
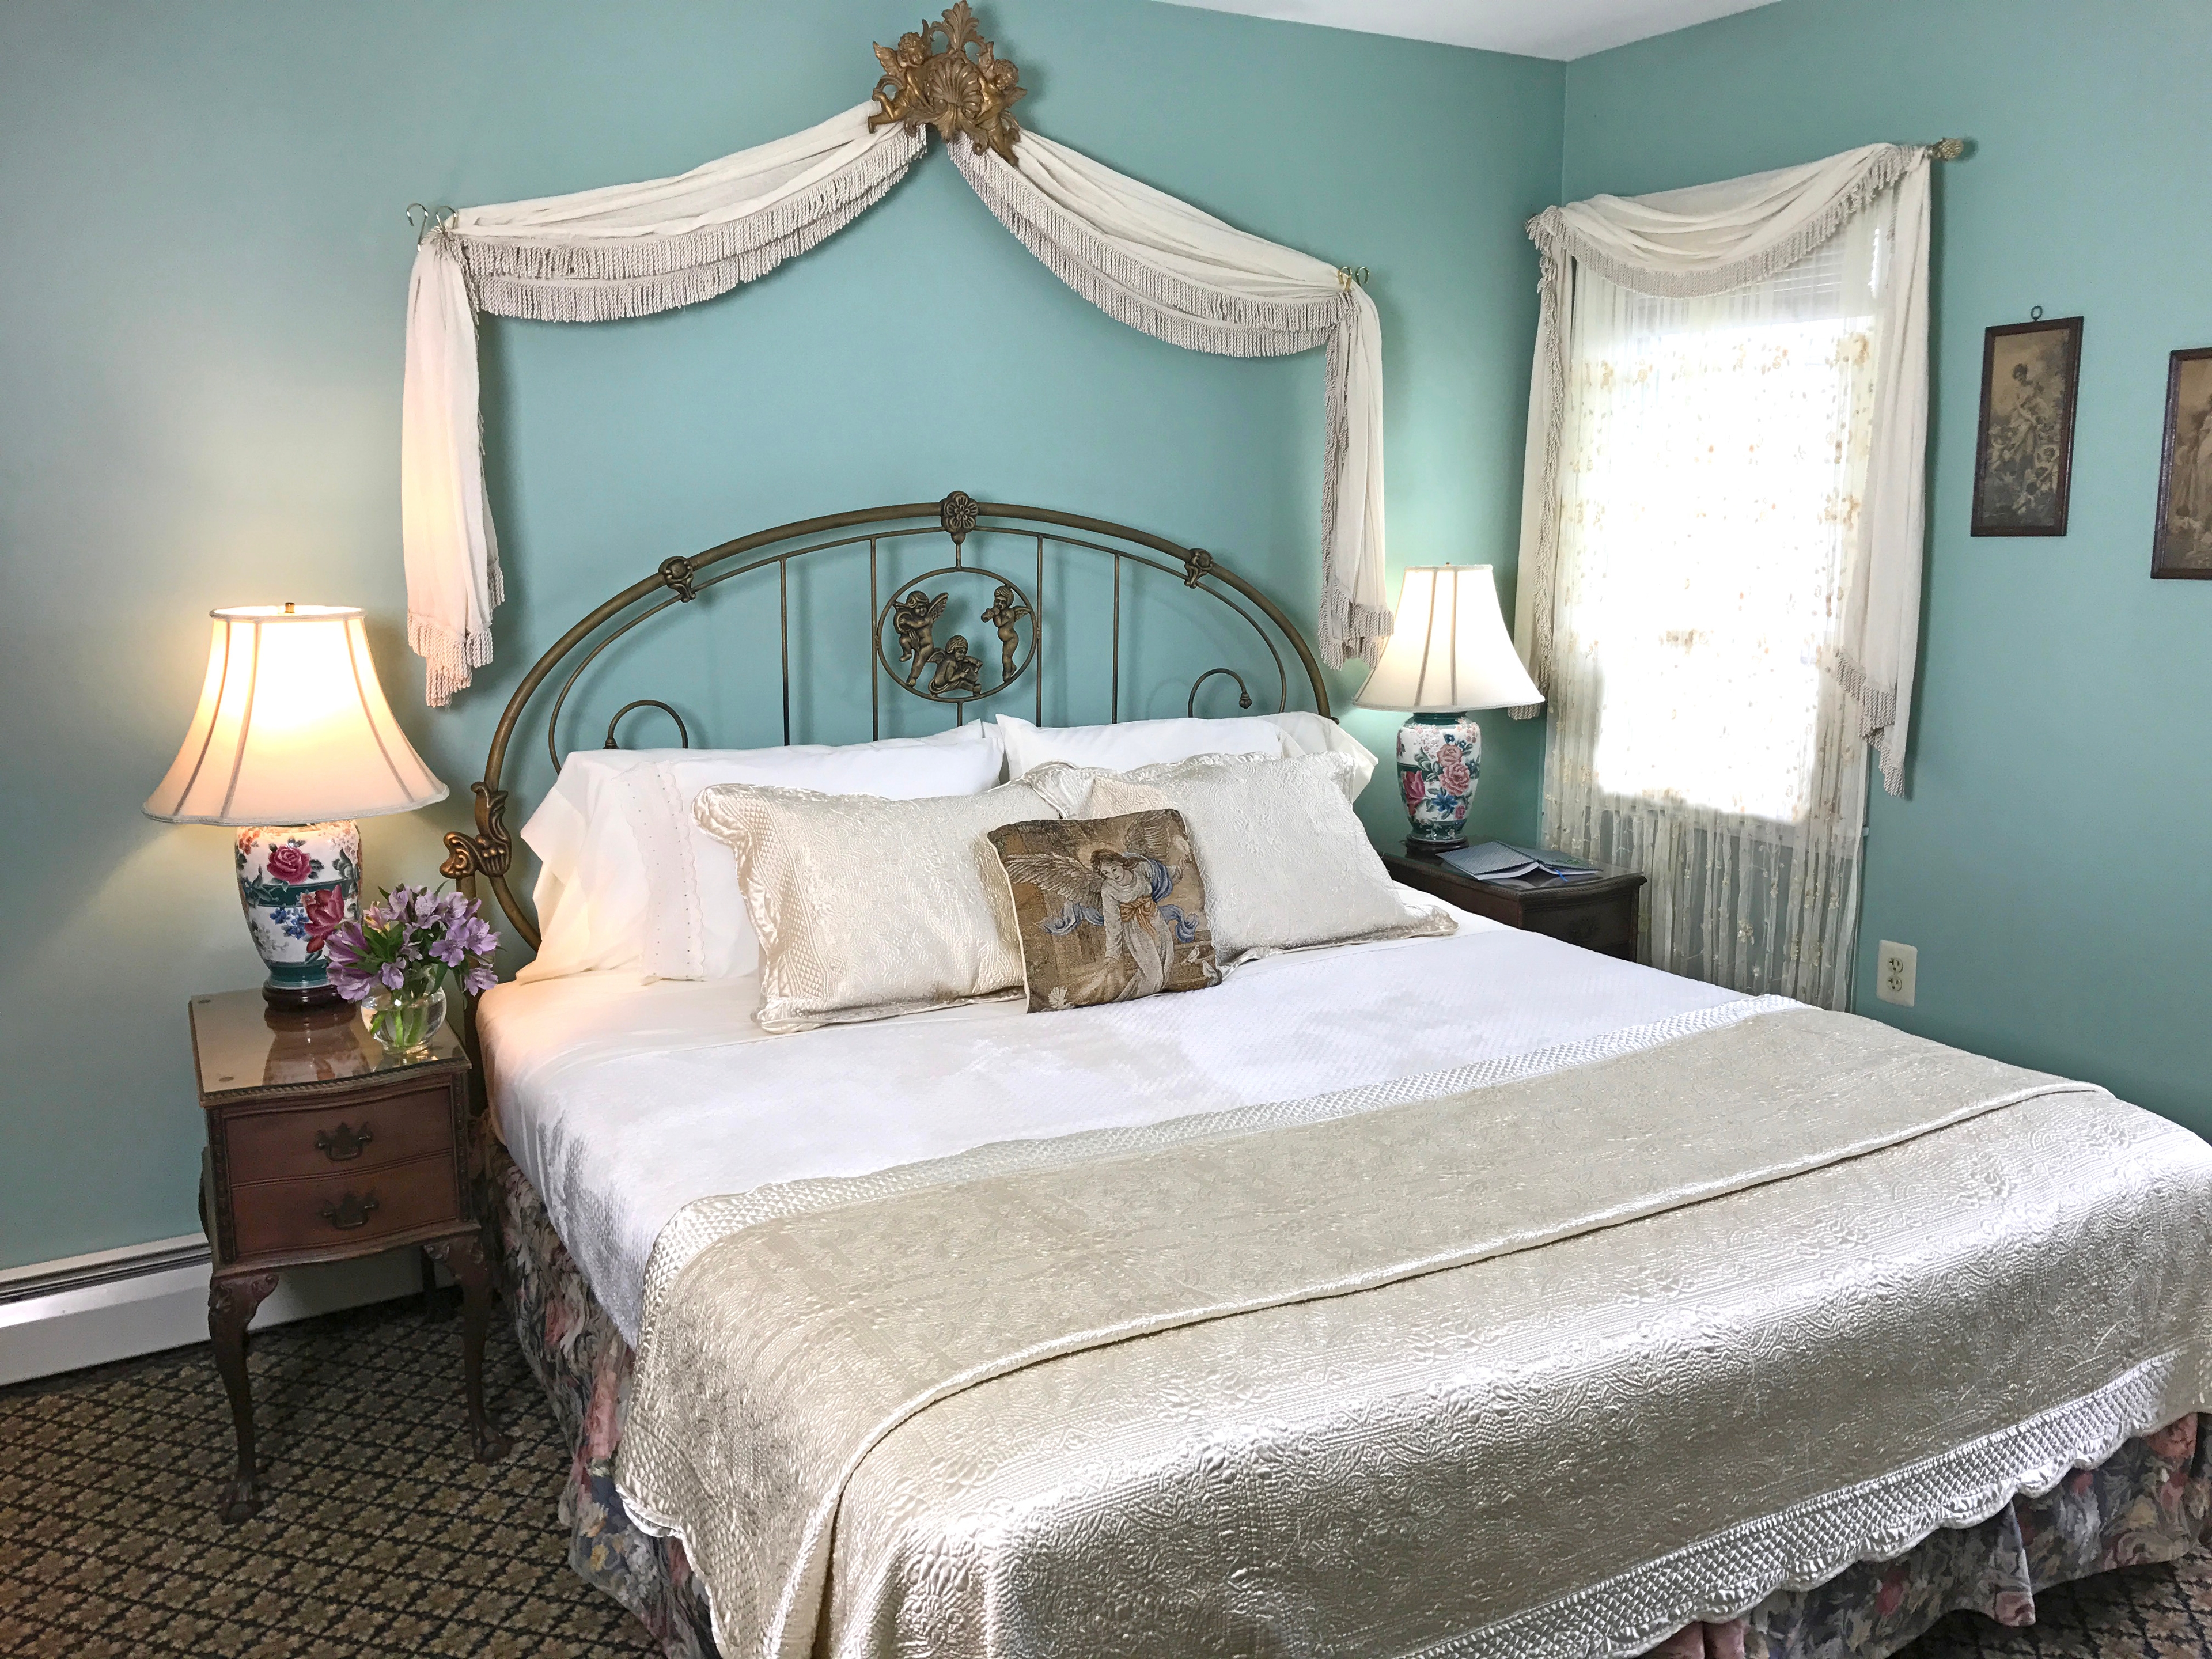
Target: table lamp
(1449,653)
(292,742)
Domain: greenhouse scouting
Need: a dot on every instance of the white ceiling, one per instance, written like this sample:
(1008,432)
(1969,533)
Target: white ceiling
(1534,28)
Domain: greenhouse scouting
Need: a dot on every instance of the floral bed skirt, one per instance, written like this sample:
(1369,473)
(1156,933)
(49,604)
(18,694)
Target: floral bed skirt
(2148,1502)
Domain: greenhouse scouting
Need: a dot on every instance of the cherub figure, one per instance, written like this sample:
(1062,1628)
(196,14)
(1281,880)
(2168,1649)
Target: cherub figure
(914,619)
(1006,615)
(956,672)
(898,98)
(1120,892)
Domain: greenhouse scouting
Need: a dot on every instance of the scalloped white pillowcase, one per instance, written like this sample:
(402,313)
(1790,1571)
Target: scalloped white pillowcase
(867,907)
(1286,861)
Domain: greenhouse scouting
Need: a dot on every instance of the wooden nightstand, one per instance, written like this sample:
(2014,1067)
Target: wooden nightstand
(322,1147)
(1598,915)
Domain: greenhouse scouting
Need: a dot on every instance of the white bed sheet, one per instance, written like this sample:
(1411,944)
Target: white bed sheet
(622,1101)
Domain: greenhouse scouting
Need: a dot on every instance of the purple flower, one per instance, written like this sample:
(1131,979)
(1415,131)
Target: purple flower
(353,985)
(409,942)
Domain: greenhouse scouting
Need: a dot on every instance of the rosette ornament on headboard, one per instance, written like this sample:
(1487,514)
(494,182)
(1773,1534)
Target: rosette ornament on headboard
(1155,263)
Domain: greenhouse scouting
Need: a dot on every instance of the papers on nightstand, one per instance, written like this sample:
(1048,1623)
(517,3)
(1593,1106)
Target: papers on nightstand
(1517,866)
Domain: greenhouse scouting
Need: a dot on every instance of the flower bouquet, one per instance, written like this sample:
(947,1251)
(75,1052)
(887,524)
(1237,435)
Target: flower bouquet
(396,961)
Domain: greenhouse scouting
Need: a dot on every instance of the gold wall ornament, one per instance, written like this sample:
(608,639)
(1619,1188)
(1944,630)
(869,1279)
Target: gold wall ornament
(924,85)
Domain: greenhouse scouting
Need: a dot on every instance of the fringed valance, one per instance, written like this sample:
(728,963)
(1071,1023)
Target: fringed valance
(1144,258)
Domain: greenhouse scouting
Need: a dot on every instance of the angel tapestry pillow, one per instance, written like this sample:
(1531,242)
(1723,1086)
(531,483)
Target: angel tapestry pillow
(1107,909)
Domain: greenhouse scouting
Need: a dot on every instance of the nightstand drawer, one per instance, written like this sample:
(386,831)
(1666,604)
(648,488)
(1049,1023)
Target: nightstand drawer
(349,1208)
(1606,927)
(349,1140)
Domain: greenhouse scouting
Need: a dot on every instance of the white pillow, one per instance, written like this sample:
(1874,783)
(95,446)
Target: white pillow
(1317,734)
(631,881)
(867,907)
(591,892)
(1152,743)
(1135,743)
(1286,860)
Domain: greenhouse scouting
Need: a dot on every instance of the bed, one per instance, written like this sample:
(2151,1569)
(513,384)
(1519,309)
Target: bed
(1456,1293)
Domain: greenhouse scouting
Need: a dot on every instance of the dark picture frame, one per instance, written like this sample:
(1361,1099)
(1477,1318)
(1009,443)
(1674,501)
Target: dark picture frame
(2024,448)
(2181,540)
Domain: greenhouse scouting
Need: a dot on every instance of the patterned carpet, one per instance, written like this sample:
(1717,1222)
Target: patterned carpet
(381,1537)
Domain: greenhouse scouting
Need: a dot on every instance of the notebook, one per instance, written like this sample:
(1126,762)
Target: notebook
(1496,861)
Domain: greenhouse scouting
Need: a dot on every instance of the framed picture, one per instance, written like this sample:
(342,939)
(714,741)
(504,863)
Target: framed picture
(2024,455)
(2182,545)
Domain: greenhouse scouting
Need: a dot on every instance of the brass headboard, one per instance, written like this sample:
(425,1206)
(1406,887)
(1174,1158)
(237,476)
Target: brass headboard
(974,654)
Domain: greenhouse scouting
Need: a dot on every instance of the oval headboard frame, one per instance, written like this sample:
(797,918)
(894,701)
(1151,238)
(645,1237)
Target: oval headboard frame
(487,855)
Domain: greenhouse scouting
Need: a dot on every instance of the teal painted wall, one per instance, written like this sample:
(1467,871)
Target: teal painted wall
(2053,864)
(199,385)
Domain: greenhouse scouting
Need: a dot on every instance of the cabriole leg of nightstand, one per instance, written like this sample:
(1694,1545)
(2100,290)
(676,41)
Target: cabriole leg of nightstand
(431,1311)
(465,1257)
(231,1303)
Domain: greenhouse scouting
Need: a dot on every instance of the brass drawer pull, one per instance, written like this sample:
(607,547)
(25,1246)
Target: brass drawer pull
(349,1211)
(341,1144)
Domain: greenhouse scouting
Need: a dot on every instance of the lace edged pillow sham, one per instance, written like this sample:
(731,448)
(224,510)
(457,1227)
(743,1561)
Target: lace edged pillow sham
(867,907)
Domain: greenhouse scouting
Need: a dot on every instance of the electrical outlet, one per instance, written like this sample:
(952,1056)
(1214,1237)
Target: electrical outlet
(1895,971)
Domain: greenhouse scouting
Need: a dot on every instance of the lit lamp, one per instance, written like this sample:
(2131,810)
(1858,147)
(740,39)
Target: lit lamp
(1449,654)
(292,742)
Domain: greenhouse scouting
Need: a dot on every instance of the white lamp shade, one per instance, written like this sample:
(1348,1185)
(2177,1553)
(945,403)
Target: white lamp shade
(292,727)
(1451,651)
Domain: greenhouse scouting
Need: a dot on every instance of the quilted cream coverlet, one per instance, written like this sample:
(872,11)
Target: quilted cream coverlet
(1546,1365)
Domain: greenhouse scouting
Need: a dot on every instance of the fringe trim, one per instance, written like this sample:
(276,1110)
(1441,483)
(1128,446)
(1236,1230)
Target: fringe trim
(604,280)
(1201,318)
(1550,232)
(1349,630)
(448,657)
(1877,721)
(1133,291)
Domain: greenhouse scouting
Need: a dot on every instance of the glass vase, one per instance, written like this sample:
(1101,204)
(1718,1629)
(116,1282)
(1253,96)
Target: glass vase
(404,1025)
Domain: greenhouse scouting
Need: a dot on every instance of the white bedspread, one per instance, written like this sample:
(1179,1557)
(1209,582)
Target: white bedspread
(623,1102)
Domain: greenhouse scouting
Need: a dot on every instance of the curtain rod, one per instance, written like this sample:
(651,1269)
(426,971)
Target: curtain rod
(1947,149)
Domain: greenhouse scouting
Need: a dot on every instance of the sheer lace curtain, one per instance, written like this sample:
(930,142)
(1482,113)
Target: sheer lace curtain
(1713,475)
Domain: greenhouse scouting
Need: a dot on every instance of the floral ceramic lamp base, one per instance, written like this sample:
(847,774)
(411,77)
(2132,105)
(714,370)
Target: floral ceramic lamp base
(1439,758)
(296,884)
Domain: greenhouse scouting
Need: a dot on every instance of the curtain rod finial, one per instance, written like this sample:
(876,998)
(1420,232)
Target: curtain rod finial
(1947,149)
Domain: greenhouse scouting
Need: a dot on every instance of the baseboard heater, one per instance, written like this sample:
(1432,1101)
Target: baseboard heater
(64,1314)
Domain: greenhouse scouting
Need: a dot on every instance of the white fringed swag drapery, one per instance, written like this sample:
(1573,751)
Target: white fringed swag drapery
(628,251)
(1721,547)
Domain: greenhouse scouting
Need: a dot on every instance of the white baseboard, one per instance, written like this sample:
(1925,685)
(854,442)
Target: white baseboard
(113,1304)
